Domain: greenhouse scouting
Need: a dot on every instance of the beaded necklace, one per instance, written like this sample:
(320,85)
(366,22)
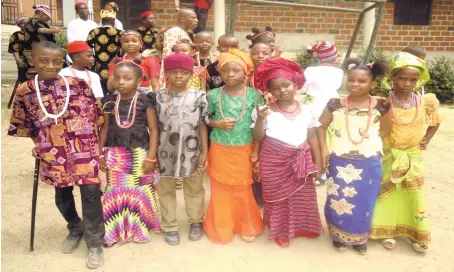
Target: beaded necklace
(40,101)
(133,105)
(198,58)
(369,118)
(297,108)
(244,103)
(393,98)
(86,71)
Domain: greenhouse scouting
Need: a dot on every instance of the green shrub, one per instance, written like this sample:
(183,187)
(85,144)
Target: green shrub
(442,79)
(306,59)
(62,40)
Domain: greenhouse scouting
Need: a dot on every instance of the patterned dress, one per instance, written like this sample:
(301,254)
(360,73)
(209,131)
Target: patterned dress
(150,66)
(130,204)
(355,172)
(16,45)
(149,36)
(68,148)
(106,42)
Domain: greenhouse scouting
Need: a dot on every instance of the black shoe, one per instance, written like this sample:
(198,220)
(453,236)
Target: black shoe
(172,238)
(339,246)
(196,231)
(95,258)
(71,243)
(360,249)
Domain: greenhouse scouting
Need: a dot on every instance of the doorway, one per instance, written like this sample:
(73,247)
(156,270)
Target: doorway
(130,10)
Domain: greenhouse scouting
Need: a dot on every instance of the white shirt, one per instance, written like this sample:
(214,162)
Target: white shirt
(79,29)
(118,25)
(322,84)
(291,131)
(94,79)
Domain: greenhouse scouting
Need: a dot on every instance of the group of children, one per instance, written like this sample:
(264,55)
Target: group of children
(237,117)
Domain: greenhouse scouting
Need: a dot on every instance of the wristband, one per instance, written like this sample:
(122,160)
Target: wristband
(149,160)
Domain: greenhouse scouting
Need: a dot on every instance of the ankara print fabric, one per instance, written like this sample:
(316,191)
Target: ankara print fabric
(32,36)
(106,43)
(180,145)
(16,45)
(149,36)
(68,149)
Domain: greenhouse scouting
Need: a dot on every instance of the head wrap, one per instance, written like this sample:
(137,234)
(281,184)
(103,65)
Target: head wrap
(20,19)
(78,4)
(404,60)
(114,5)
(326,52)
(178,61)
(44,9)
(108,14)
(278,68)
(145,14)
(77,46)
(235,55)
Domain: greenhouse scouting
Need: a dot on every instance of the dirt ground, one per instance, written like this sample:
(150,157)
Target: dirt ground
(262,255)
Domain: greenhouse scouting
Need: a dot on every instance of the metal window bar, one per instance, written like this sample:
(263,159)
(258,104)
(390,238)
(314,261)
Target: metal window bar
(10,11)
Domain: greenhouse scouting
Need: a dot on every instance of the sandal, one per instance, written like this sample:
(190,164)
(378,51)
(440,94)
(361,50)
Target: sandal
(339,246)
(420,248)
(360,249)
(179,184)
(248,238)
(389,243)
(282,241)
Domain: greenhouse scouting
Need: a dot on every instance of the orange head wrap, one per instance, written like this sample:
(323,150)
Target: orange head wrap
(237,56)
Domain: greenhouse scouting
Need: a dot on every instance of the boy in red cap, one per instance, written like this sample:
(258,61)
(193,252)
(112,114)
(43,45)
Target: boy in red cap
(60,115)
(82,58)
(183,147)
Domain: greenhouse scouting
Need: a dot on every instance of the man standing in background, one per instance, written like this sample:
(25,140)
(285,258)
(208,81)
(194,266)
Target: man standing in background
(79,28)
(201,8)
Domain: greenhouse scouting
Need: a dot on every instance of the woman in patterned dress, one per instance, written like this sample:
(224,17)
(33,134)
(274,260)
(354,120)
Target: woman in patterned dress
(359,121)
(106,42)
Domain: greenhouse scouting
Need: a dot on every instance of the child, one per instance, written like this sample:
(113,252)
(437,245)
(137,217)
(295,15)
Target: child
(61,117)
(267,37)
(401,206)
(419,52)
(129,141)
(111,7)
(198,79)
(287,134)
(16,48)
(148,30)
(203,42)
(105,41)
(232,208)
(82,56)
(225,43)
(183,147)
(359,121)
(131,43)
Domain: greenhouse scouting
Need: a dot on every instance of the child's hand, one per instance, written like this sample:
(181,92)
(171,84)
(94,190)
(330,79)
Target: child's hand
(226,124)
(56,30)
(254,157)
(34,154)
(269,99)
(423,144)
(203,161)
(148,167)
(262,112)
(277,51)
(102,164)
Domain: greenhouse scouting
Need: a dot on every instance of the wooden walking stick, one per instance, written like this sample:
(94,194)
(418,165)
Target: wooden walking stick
(13,94)
(35,196)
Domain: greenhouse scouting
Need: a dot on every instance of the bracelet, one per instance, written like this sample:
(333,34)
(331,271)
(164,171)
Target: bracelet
(102,157)
(149,160)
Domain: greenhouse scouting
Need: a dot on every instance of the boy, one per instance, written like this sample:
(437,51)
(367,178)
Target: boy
(225,43)
(183,147)
(61,117)
(112,7)
(204,42)
(82,56)
(419,52)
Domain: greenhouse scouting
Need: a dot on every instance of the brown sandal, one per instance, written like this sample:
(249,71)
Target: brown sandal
(420,248)
(389,243)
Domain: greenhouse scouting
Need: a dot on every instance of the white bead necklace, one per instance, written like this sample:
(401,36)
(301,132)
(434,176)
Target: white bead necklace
(40,101)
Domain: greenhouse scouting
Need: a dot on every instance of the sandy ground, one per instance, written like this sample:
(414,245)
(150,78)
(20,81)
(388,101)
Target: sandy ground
(262,255)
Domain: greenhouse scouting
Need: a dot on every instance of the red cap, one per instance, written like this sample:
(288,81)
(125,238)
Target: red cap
(145,14)
(77,46)
(78,4)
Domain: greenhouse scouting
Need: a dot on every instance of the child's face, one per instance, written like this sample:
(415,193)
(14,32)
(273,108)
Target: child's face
(178,77)
(184,48)
(204,43)
(359,82)
(85,59)
(126,80)
(131,44)
(47,62)
(283,89)
(232,74)
(22,24)
(260,53)
(226,44)
(405,80)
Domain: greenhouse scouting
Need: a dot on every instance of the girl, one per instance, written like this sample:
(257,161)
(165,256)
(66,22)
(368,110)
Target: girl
(359,121)
(401,207)
(198,79)
(129,142)
(204,41)
(267,37)
(232,208)
(131,43)
(287,134)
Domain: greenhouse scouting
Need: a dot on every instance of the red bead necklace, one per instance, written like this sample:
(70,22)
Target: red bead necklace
(297,108)
(369,118)
(244,103)
(126,124)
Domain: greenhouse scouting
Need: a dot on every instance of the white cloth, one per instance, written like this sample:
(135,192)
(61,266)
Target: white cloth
(94,79)
(118,25)
(322,84)
(291,131)
(79,29)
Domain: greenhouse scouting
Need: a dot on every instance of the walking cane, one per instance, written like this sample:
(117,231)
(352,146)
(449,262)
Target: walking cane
(13,94)
(35,195)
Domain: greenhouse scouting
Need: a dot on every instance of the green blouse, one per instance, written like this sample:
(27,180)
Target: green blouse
(241,134)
